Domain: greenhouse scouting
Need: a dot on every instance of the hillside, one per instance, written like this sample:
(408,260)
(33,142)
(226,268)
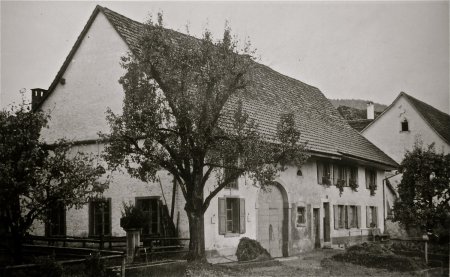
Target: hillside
(356,104)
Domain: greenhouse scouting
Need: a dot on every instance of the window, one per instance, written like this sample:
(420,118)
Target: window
(352,217)
(371,178)
(405,127)
(56,222)
(339,174)
(100,217)
(301,218)
(150,206)
(353,176)
(231,215)
(229,172)
(324,173)
(347,216)
(371,217)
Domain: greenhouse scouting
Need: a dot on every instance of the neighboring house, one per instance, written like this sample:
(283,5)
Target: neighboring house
(302,210)
(406,121)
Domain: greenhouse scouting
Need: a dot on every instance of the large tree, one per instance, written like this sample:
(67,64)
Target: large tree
(36,177)
(184,112)
(424,190)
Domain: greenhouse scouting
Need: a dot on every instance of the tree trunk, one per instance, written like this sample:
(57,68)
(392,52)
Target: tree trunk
(196,229)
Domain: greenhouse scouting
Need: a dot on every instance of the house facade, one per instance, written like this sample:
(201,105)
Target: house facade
(303,209)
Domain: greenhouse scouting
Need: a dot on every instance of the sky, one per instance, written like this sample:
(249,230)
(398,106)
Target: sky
(368,50)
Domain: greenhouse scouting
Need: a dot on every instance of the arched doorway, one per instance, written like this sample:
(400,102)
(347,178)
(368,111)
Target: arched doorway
(273,220)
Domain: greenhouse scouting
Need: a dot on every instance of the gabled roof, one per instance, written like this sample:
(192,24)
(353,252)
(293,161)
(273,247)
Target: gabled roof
(318,121)
(437,120)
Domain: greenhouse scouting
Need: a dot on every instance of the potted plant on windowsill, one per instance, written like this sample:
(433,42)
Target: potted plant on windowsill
(132,221)
(326,181)
(132,217)
(353,184)
(340,184)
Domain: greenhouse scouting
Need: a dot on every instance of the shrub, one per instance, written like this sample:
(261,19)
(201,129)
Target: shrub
(47,266)
(249,249)
(94,266)
(377,256)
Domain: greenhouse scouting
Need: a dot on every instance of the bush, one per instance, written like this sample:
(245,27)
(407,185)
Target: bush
(377,256)
(47,266)
(94,266)
(249,249)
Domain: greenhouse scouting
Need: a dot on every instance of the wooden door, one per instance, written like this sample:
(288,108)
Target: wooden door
(270,221)
(326,222)
(316,228)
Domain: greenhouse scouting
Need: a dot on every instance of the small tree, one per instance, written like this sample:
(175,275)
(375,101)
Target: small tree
(424,190)
(35,177)
(184,112)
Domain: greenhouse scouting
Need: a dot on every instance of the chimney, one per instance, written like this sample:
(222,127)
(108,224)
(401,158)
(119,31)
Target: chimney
(37,94)
(370,110)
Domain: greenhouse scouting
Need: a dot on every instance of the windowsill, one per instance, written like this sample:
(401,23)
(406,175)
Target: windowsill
(409,131)
(231,235)
(301,225)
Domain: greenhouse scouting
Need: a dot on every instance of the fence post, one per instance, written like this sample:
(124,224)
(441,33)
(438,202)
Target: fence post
(425,238)
(122,267)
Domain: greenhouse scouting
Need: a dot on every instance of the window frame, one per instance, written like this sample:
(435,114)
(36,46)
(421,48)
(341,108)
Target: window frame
(322,173)
(372,178)
(226,171)
(150,214)
(59,213)
(92,217)
(237,213)
(404,123)
(301,215)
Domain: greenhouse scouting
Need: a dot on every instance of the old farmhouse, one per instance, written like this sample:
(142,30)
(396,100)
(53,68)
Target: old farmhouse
(302,210)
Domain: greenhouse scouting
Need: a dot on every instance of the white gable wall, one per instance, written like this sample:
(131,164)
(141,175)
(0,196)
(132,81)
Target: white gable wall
(386,132)
(78,107)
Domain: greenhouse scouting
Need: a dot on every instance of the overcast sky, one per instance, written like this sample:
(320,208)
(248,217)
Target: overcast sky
(362,50)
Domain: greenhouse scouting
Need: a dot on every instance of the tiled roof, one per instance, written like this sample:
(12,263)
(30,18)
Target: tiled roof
(318,121)
(438,120)
(359,124)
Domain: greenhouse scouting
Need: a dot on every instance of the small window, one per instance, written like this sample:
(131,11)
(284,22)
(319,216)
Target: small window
(353,176)
(341,217)
(301,219)
(100,217)
(405,127)
(231,216)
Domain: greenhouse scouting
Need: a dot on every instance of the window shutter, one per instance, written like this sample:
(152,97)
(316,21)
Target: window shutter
(347,223)
(319,172)
(242,215)
(375,216)
(367,178)
(91,218)
(336,217)
(222,216)
(358,216)
(367,216)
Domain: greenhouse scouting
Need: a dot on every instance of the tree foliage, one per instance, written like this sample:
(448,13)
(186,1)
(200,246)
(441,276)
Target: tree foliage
(184,111)
(34,177)
(424,190)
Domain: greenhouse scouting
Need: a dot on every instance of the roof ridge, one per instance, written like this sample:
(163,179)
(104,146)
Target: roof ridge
(424,103)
